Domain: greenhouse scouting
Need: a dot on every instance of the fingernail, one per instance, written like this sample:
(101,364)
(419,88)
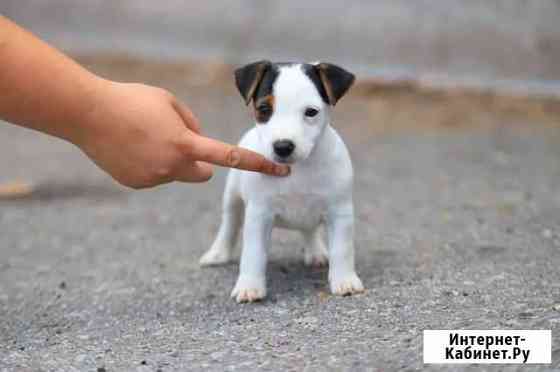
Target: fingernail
(282,170)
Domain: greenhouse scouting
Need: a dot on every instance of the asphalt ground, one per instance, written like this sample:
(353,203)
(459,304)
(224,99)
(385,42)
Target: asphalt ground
(458,227)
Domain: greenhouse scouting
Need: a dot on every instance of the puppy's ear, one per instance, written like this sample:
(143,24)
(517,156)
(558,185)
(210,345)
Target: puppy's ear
(335,80)
(248,77)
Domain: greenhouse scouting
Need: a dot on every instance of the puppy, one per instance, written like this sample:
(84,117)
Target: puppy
(292,107)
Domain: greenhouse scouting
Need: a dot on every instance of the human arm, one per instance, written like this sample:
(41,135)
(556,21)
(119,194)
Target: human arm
(141,135)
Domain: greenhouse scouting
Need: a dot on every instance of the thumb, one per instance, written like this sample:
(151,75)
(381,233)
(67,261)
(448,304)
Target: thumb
(187,116)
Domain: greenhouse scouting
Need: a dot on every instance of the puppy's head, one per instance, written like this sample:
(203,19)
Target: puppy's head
(291,104)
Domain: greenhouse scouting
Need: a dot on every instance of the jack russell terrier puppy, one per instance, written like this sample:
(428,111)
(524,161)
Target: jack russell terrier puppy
(292,105)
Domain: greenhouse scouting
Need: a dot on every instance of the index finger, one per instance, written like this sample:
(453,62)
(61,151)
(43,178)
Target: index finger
(220,153)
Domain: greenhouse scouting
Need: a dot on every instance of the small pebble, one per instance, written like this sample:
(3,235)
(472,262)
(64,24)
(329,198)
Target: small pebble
(217,355)
(308,321)
(451,293)
(80,358)
(526,315)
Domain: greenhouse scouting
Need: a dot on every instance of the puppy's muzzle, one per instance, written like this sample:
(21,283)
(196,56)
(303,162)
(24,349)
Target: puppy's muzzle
(283,148)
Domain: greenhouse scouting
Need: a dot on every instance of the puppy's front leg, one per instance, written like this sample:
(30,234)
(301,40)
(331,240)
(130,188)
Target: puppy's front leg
(342,274)
(251,283)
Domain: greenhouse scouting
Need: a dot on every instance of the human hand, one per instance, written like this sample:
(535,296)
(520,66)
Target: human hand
(142,136)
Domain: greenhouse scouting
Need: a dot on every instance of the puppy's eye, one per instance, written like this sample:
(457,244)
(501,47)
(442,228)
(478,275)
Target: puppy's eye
(311,112)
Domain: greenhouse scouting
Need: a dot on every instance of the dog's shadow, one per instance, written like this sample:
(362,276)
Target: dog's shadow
(293,277)
(289,276)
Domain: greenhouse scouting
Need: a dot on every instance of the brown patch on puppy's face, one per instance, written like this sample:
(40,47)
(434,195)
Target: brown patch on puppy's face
(264,108)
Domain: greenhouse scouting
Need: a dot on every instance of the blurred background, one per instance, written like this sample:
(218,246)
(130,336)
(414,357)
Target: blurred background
(470,40)
(454,131)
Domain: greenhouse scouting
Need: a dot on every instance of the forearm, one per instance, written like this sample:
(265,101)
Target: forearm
(41,88)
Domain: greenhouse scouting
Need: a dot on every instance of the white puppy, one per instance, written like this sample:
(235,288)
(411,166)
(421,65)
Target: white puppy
(292,104)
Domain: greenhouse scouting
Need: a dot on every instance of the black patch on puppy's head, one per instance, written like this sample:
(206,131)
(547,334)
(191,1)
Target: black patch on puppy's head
(313,75)
(331,81)
(255,82)
(248,78)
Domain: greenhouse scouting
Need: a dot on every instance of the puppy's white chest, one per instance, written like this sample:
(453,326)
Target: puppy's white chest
(298,210)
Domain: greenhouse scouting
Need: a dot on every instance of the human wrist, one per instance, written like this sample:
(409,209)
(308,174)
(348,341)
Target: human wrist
(86,122)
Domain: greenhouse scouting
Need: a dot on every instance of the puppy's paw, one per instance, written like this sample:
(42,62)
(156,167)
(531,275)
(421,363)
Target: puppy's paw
(249,289)
(214,257)
(316,260)
(346,285)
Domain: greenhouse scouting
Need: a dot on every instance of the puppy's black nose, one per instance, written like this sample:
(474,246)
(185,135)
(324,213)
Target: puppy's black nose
(284,148)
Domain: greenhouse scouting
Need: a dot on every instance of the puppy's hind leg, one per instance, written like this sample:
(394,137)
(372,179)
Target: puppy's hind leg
(232,217)
(315,253)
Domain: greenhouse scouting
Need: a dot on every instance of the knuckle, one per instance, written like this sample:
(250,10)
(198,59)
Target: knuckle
(183,143)
(163,172)
(185,147)
(233,157)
